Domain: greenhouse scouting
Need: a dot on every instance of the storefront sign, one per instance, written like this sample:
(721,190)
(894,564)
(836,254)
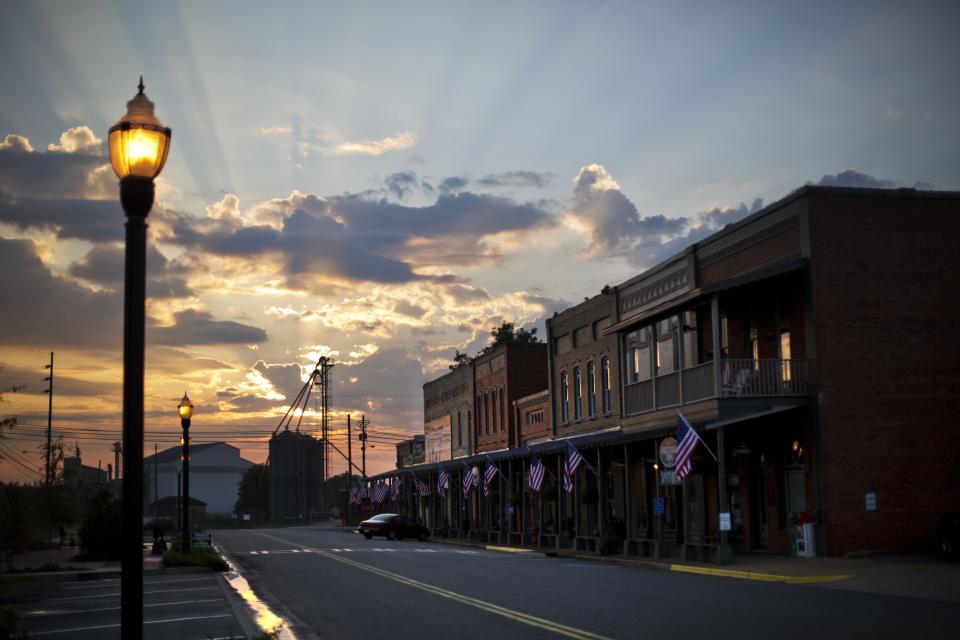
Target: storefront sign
(202,539)
(668,452)
(668,477)
(725,521)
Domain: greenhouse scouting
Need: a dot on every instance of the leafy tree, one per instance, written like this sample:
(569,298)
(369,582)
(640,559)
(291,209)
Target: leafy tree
(459,360)
(507,334)
(253,496)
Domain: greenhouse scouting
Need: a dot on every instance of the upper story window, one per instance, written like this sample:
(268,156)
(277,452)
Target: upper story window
(479,413)
(564,398)
(534,417)
(785,374)
(591,390)
(691,354)
(503,412)
(605,384)
(493,410)
(577,394)
(469,423)
(638,354)
(666,346)
(459,429)
(486,413)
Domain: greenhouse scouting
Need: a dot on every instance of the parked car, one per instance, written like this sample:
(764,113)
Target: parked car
(948,535)
(394,527)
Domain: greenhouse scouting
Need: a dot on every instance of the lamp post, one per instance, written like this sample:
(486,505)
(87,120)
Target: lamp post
(138,145)
(185,409)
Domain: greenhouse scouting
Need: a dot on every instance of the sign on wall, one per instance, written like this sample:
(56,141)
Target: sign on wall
(668,452)
(437,439)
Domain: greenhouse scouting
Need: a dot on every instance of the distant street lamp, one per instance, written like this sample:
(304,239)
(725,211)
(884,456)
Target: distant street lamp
(138,145)
(185,408)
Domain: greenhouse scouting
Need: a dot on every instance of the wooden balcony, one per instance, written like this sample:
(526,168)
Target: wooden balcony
(738,378)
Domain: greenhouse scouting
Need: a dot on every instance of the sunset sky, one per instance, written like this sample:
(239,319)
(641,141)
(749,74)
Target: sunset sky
(384,182)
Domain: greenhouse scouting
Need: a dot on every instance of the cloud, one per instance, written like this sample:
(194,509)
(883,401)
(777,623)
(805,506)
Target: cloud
(16,142)
(401,183)
(50,311)
(104,264)
(853,178)
(69,218)
(275,131)
(409,309)
(195,327)
(516,179)
(453,184)
(613,221)
(399,142)
(77,140)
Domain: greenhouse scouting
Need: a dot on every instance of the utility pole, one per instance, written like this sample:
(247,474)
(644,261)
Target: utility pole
(117,450)
(349,466)
(326,364)
(49,392)
(154,480)
(363,444)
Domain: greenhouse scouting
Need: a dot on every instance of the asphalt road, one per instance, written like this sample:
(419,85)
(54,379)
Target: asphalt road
(331,584)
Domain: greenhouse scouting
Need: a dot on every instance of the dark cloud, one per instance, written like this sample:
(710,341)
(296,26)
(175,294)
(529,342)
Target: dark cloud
(211,364)
(616,225)
(42,309)
(390,380)
(285,377)
(853,178)
(103,265)
(453,184)
(92,220)
(462,293)
(401,183)
(516,179)
(194,327)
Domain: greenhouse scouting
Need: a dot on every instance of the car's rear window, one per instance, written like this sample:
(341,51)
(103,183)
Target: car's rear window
(383,517)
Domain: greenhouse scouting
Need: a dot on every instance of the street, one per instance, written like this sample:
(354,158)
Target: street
(330,583)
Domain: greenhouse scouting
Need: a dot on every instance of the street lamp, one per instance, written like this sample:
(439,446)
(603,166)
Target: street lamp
(138,145)
(185,409)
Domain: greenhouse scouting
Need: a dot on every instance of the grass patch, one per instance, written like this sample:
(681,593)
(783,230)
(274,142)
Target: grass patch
(195,558)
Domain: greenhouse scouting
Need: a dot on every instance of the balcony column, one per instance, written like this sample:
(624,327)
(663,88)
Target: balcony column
(724,553)
(679,346)
(715,335)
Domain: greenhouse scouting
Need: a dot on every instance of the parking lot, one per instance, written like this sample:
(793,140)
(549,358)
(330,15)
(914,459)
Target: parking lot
(176,605)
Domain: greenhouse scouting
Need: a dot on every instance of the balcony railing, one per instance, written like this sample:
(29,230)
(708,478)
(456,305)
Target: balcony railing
(739,378)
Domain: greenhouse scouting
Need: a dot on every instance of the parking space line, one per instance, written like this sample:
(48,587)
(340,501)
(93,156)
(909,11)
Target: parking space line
(104,595)
(93,584)
(39,613)
(114,626)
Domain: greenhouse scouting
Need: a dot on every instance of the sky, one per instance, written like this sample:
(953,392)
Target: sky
(383,183)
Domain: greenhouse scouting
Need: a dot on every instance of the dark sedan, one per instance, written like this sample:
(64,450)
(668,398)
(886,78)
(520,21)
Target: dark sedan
(393,526)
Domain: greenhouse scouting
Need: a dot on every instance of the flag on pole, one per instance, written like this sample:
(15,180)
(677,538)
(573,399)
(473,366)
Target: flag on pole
(570,466)
(489,474)
(379,492)
(469,480)
(536,473)
(443,481)
(423,488)
(353,496)
(395,488)
(687,439)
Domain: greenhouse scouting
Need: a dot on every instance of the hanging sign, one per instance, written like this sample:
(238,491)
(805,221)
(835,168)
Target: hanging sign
(668,452)
(668,477)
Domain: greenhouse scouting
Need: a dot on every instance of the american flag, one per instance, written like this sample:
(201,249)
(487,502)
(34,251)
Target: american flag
(423,488)
(353,496)
(443,481)
(687,439)
(536,473)
(469,480)
(379,492)
(395,488)
(570,465)
(488,475)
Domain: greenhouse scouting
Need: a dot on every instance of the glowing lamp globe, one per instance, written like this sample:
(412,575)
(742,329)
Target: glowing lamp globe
(185,408)
(138,141)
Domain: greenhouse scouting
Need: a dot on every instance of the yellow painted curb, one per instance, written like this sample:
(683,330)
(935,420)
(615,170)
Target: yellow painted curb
(506,549)
(756,575)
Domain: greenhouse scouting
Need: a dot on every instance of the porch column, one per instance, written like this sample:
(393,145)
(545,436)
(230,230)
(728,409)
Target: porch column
(561,502)
(627,499)
(715,333)
(601,497)
(724,553)
(680,354)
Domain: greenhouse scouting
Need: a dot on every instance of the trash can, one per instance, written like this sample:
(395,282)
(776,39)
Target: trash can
(807,542)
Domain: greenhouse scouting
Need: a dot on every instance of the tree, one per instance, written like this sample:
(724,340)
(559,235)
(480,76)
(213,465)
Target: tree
(459,360)
(253,495)
(100,529)
(507,334)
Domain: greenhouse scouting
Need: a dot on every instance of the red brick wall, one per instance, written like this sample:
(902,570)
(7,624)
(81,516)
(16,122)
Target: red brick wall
(779,247)
(524,406)
(886,304)
(524,373)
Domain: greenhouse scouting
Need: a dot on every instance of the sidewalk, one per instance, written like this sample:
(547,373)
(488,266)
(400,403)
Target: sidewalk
(914,576)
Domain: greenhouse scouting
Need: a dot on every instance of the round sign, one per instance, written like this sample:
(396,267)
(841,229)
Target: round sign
(668,452)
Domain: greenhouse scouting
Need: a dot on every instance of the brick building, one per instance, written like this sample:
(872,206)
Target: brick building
(533,418)
(448,414)
(504,374)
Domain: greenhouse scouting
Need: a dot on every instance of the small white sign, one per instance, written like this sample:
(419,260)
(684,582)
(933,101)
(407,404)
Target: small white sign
(871,500)
(246,517)
(202,539)
(725,521)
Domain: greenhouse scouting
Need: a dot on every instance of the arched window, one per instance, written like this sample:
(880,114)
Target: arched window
(503,413)
(605,383)
(577,395)
(493,410)
(459,429)
(591,390)
(564,398)
(486,413)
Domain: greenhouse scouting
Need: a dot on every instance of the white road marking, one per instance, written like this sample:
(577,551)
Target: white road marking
(114,626)
(99,584)
(105,595)
(37,613)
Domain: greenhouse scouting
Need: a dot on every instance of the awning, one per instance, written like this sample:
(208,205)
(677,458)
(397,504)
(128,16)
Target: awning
(753,415)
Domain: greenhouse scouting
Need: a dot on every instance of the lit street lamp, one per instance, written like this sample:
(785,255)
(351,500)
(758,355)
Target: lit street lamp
(138,145)
(185,409)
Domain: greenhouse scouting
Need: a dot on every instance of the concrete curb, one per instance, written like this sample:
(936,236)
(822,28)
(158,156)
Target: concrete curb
(660,566)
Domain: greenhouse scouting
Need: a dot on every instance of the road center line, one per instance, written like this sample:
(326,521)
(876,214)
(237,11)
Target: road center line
(517,616)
